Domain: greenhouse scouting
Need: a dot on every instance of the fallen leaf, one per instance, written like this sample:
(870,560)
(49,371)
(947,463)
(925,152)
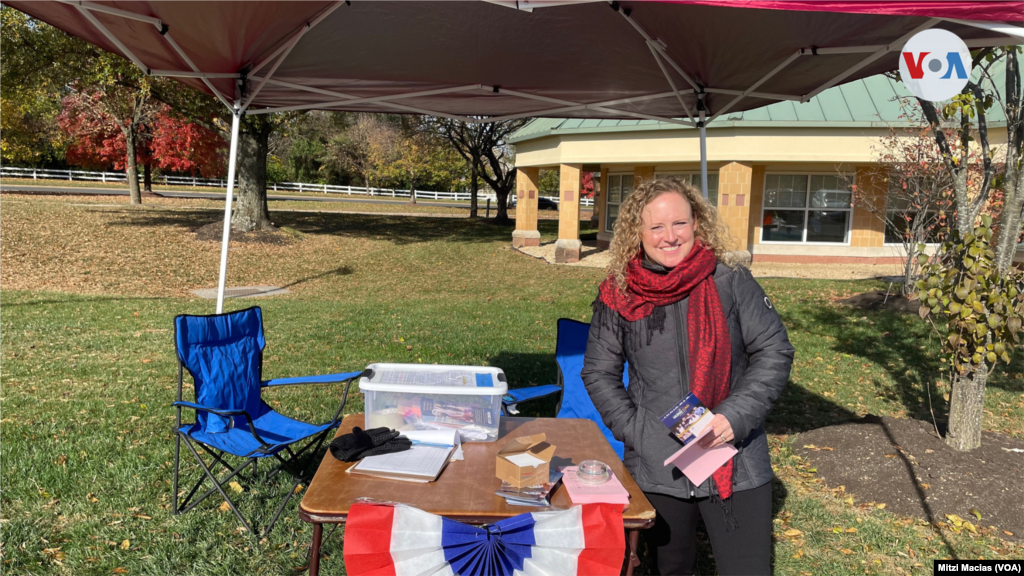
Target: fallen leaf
(926,486)
(126,545)
(146,360)
(851,530)
(120,570)
(793,533)
(956,520)
(236,487)
(299,488)
(970,527)
(846,551)
(848,500)
(880,506)
(224,506)
(1007,532)
(976,512)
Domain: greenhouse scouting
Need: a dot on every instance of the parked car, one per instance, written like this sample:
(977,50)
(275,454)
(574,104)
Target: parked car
(542,203)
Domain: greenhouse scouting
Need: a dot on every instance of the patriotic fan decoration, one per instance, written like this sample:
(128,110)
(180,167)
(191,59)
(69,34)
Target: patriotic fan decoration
(398,540)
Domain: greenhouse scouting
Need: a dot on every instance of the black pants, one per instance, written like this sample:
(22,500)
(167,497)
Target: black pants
(745,550)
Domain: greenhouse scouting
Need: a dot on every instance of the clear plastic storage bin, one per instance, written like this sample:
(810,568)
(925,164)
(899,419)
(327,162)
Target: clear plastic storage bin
(434,397)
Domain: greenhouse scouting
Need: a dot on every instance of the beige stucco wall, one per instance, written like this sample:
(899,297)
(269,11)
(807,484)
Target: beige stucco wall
(756,145)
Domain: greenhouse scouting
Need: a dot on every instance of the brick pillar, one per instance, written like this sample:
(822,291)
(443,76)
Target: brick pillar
(868,230)
(567,248)
(734,187)
(526,233)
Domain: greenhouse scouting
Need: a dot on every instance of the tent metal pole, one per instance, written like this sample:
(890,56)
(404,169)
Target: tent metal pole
(1000,27)
(114,12)
(703,145)
(113,39)
(236,118)
(899,42)
(370,100)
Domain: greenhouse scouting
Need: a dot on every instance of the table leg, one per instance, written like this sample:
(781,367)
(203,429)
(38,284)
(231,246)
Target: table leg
(632,560)
(314,550)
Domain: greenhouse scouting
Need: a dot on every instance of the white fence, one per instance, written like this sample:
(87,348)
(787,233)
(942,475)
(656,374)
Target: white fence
(119,177)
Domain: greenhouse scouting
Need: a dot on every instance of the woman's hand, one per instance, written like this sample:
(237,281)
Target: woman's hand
(722,433)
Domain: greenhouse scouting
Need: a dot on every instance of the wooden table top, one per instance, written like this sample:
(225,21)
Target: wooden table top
(465,491)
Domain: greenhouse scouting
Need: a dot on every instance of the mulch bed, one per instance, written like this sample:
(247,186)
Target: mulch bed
(214,231)
(874,301)
(905,465)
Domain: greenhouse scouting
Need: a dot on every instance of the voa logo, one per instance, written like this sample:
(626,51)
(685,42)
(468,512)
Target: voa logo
(935,65)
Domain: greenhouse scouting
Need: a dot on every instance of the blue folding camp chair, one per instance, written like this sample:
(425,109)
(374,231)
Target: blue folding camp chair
(224,355)
(575,403)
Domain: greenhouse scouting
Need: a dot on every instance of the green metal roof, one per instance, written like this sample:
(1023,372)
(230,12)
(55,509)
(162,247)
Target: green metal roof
(869,102)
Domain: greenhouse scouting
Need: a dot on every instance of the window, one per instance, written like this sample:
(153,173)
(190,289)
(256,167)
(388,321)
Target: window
(806,208)
(619,186)
(694,180)
(900,216)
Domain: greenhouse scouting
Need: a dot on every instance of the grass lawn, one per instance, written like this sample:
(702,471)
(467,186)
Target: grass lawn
(88,375)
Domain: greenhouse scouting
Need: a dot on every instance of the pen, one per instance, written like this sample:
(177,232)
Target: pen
(434,444)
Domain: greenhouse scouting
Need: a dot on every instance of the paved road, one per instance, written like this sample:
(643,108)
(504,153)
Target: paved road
(70,190)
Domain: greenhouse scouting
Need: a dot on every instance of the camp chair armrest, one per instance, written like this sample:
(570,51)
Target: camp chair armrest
(321,379)
(193,405)
(228,414)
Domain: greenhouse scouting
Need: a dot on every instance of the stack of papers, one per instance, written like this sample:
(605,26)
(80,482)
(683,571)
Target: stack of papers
(611,492)
(430,453)
(531,495)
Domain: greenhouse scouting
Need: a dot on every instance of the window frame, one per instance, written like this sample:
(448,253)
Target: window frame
(608,197)
(807,208)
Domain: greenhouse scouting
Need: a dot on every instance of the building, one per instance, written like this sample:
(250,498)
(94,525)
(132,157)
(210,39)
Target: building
(780,175)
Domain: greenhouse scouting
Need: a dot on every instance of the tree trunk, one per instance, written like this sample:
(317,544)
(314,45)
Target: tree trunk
(1010,219)
(908,270)
(132,167)
(250,210)
(147,177)
(965,409)
(474,190)
(501,215)
(412,192)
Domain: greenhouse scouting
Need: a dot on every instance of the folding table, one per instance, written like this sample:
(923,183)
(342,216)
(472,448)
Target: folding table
(465,490)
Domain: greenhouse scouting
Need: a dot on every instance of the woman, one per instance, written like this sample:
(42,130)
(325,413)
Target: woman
(687,322)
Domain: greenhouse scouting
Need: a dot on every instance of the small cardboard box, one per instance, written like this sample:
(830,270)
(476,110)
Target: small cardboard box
(521,448)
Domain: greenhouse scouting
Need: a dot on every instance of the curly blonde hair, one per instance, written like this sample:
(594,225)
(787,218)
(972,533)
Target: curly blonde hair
(709,227)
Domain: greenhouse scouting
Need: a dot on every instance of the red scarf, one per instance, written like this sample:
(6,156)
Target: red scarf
(709,342)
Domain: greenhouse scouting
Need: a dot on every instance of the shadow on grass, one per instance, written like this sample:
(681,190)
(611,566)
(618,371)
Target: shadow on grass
(80,298)
(894,343)
(396,229)
(340,271)
(800,410)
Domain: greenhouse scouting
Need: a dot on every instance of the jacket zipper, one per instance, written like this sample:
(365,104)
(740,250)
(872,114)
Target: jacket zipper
(684,375)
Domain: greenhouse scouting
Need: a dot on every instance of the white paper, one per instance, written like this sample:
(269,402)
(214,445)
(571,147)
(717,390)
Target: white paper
(447,436)
(524,459)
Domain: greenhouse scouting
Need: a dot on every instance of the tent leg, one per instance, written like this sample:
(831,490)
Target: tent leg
(703,145)
(226,239)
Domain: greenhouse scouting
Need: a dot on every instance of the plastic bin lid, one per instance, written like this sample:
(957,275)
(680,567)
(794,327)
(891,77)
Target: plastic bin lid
(435,379)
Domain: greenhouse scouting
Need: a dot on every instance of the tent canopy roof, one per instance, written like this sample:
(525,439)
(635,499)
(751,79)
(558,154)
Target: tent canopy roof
(569,60)
(868,102)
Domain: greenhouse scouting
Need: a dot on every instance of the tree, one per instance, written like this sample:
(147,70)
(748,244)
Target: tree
(167,142)
(971,285)
(484,147)
(365,147)
(917,200)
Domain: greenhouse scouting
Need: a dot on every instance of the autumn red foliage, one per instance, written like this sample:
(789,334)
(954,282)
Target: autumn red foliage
(168,142)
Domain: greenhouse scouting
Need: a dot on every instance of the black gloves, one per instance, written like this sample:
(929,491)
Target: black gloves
(359,444)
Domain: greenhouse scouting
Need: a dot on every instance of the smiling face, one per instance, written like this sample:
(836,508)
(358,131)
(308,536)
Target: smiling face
(669,230)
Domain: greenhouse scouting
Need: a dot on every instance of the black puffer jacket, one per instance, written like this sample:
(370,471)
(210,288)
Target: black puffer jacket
(659,377)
